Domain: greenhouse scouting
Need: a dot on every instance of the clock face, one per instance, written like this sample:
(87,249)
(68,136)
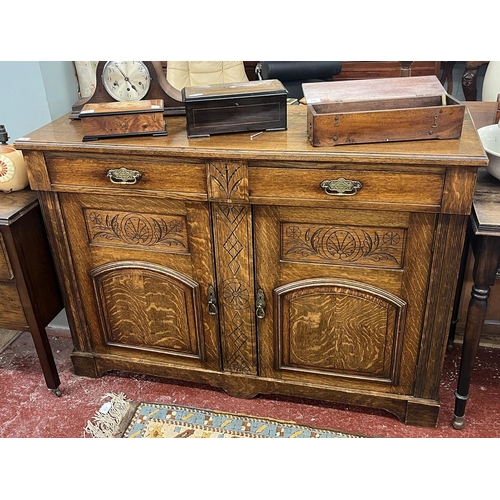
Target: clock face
(126,80)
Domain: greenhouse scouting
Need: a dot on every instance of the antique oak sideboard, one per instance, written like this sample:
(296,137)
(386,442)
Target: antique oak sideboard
(222,260)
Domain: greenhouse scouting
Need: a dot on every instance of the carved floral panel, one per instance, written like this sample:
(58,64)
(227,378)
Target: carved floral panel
(343,245)
(166,233)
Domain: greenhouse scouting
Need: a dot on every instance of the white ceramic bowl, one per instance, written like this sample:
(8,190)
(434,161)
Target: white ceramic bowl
(490,137)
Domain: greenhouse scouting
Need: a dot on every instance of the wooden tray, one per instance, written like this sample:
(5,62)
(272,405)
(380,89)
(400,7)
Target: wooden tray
(381,110)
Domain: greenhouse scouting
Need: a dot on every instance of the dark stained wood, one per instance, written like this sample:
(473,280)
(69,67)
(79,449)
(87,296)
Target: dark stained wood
(356,70)
(224,262)
(484,237)
(487,252)
(484,113)
(469,79)
(28,285)
(239,107)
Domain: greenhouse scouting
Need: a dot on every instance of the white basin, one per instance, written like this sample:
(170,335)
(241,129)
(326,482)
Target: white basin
(490,137)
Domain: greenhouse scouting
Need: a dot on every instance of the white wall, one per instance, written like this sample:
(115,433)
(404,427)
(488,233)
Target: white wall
(33,93)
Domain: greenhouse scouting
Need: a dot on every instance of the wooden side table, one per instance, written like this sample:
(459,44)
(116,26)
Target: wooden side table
(484,236)
(29,293)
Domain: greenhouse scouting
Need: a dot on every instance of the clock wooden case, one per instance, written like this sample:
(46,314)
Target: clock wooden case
(159,88)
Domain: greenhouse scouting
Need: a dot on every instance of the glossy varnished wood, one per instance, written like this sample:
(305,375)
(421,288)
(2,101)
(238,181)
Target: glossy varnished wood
(66,135)
(28,284)
(227,263)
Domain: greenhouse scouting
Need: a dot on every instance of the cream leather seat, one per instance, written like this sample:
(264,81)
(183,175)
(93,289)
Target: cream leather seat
(182,74)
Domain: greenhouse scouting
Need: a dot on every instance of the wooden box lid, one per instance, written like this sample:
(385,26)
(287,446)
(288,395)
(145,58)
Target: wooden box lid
(378,89)
(229,90)
(122,108)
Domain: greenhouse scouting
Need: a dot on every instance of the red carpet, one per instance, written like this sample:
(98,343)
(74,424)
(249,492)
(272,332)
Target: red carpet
(357,468)
(29,409)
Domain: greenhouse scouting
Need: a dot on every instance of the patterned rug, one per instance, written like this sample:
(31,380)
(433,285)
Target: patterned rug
(121,418)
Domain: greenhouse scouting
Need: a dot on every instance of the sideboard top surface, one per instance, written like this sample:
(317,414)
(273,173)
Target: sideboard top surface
(66,135)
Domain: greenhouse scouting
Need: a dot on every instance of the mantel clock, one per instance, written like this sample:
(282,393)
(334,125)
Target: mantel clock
(128,81)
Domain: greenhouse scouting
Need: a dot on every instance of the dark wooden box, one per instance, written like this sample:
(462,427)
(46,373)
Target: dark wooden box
(381,110)
(235,107)
(118,119)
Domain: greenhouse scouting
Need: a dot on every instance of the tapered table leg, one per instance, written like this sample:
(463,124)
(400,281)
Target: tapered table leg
(487,252)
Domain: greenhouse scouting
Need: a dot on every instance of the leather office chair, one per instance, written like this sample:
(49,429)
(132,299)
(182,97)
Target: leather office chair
(292,74)
(182,74)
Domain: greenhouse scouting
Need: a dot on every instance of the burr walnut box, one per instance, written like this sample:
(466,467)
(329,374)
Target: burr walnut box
(381,110)
(118,119)
(235,107)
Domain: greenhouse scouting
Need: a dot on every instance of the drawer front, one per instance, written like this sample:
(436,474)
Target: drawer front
(118,173)
(6,273)
(12,311)
(329,187)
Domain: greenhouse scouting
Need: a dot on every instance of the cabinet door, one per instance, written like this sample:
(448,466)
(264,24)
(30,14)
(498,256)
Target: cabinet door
(144,270)
(345,293)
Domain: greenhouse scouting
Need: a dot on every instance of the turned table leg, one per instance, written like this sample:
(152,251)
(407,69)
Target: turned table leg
(484,273)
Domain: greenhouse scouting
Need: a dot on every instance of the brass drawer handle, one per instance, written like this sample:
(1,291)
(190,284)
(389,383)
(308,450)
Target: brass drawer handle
(341,187)
(123,175)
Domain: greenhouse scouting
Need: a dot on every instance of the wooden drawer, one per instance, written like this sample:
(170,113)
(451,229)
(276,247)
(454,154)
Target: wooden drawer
(73,174)
(12,310)
(381,188)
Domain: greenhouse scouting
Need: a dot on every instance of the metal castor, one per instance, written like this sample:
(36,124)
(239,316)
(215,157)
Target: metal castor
(458,422)
(57,392)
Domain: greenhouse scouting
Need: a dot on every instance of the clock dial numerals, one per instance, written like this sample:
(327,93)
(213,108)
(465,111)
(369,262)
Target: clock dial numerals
(126,80)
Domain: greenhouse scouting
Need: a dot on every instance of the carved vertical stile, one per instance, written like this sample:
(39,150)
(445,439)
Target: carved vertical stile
(228,182)
(228,187)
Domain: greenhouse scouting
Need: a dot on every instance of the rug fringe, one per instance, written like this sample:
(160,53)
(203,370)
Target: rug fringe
(107,421)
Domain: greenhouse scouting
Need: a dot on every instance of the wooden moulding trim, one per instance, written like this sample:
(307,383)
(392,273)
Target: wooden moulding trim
(413,411)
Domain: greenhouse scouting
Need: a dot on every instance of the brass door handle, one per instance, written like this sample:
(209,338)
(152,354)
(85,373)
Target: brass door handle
(212,301)
(260,304)
(341,187)
(123,175)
